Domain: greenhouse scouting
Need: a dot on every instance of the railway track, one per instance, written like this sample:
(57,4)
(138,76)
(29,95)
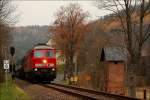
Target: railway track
(86,94)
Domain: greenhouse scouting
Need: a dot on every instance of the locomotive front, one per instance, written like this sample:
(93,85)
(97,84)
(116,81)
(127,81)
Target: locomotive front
(43,63)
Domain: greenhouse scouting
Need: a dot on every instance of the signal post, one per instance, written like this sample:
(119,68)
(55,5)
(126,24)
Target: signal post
(12,52)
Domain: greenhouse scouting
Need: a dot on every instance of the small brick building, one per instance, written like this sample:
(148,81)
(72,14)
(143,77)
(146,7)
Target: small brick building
(114,69)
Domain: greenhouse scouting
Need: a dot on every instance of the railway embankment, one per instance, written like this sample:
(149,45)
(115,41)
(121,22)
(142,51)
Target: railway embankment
(10,91)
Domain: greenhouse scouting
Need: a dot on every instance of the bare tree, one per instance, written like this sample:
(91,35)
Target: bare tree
(68,32)
(131,14)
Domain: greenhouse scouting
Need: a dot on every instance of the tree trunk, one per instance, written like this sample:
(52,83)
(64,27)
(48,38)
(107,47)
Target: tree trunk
(131,80)
(71,65)
(133,74)
(65,70)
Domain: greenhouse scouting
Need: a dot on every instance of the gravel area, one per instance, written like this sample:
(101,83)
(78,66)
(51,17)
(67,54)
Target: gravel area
(37,92)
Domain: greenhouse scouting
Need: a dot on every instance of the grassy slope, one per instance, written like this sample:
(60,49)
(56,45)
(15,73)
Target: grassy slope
(12,92)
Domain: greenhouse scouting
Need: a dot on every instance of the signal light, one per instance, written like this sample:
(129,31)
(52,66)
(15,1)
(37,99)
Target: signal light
(12,51)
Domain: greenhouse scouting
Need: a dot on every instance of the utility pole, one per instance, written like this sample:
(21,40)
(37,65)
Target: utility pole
(12,52)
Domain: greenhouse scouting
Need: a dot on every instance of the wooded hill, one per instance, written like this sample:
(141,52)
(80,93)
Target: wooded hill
(24,38)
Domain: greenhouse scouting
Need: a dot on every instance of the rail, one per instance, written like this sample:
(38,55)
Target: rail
(87,94)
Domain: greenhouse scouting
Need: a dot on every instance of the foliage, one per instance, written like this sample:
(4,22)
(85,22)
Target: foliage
(68,32)
(89,54)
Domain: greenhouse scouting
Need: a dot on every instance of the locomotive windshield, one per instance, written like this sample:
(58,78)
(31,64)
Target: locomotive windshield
(44,53)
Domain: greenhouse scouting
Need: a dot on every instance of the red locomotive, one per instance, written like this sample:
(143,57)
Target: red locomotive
(39,64)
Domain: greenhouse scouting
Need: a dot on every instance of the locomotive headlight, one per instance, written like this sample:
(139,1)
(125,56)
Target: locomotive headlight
(35,69)
(53,69)
(44,61)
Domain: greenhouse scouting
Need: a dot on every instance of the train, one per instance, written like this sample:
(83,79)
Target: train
(38,64)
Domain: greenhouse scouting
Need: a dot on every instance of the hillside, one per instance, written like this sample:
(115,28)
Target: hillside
(25,37)
(109,26)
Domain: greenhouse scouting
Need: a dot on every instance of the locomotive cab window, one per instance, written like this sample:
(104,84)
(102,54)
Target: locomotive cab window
(44,53)
(50,53)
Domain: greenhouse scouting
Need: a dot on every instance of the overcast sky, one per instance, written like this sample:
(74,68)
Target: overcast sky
(42,12)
